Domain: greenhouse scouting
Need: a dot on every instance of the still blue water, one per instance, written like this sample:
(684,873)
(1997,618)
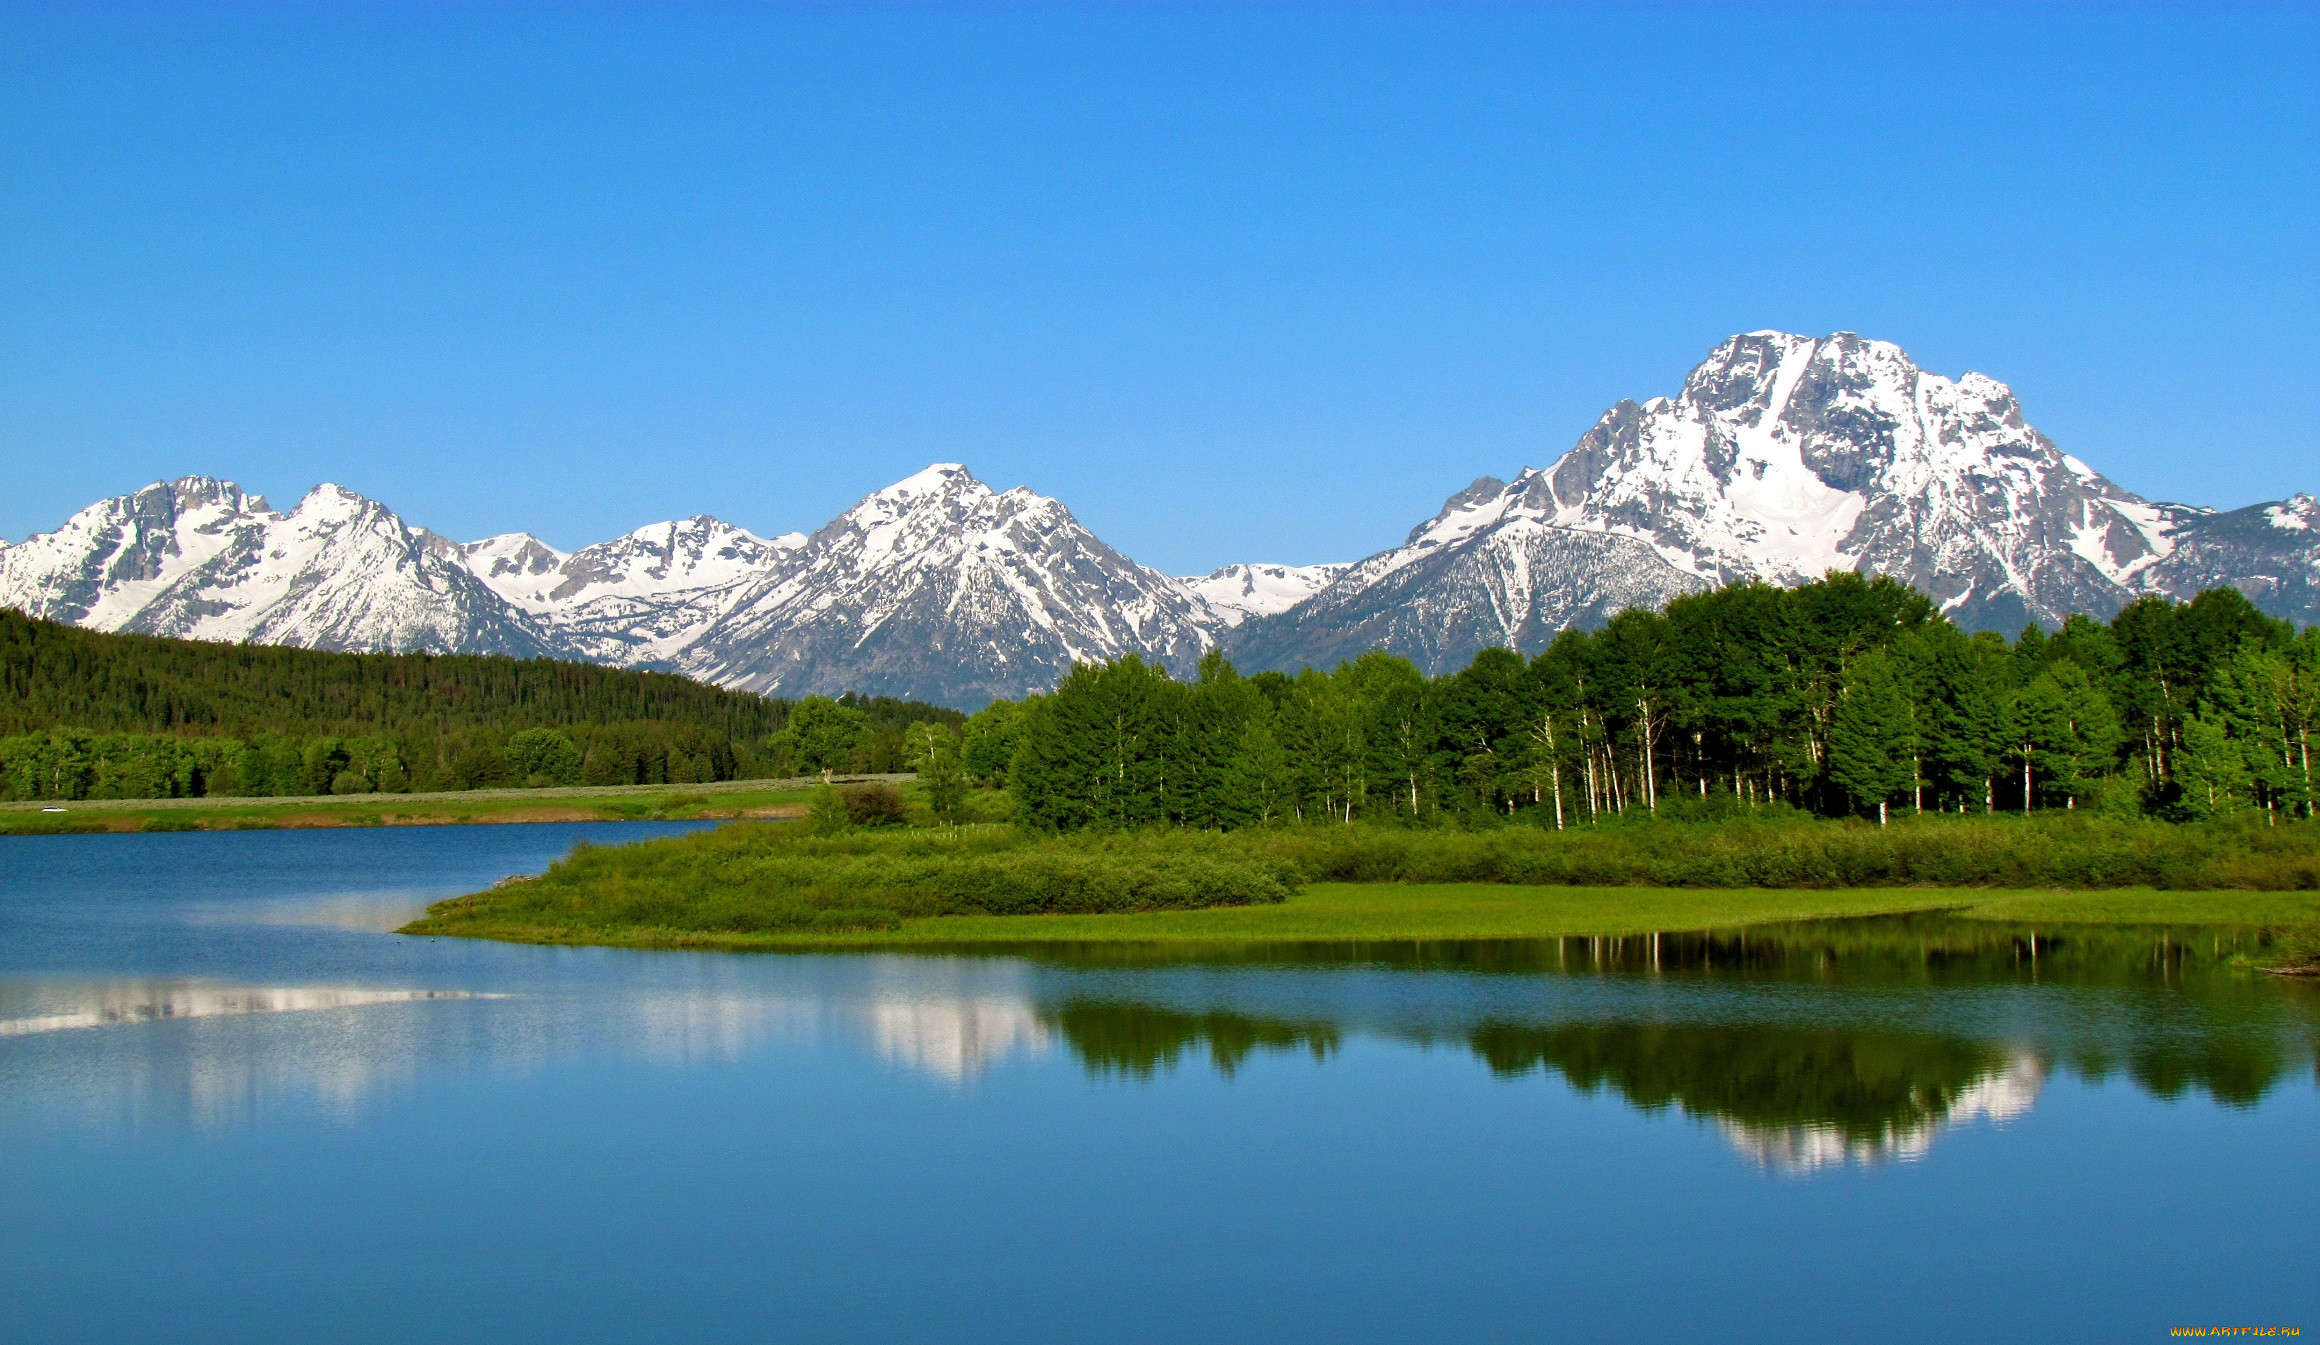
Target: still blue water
(234,1107)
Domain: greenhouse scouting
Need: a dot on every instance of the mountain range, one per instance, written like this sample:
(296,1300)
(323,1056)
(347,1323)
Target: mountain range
(1782,457)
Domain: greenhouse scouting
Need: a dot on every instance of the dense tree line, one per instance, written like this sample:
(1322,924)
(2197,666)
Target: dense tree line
(1847,695)
(88,714)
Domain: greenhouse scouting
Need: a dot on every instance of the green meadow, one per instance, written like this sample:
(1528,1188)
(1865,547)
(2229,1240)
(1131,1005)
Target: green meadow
(791,886)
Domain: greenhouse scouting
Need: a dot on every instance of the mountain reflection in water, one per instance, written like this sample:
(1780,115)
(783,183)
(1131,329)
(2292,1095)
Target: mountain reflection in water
(113,1002)
(1805,1047)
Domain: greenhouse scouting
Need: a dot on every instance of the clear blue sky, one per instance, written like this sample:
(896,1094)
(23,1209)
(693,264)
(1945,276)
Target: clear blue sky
(1235,284)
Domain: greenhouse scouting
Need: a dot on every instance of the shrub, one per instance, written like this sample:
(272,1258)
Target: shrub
(758,878)
(873,805)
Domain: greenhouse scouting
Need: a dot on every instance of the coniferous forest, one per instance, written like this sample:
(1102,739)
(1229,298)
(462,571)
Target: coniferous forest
(1845,697)
(86,714)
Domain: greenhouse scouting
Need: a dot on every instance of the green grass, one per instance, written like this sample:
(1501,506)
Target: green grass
(757,886)
(1391,912)
(2142,906)
(760,879)
(607,803)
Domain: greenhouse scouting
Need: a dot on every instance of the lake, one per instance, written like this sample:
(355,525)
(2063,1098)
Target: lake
(234,1107)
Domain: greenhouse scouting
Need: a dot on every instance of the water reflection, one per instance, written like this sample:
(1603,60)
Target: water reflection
(1142,1040)
(179,1054)
(956,1040)
(1997,1097)
(1790,1099)
(62,1006)
(1804,1048)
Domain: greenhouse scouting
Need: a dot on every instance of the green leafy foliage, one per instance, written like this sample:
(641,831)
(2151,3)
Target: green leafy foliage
(762,879)
(1844,696)
(751,879)
(1873,748)
(1785,848)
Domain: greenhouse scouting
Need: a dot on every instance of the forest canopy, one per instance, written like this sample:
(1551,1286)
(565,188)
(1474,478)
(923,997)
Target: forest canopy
(1846,696)
(89,714)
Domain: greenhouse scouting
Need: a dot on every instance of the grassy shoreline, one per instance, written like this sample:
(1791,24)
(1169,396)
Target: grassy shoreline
(726,799)
(750,886)
(1404,912)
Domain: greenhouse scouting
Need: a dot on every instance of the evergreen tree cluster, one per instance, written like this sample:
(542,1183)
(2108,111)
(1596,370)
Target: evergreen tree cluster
(87,714)
(1845,696)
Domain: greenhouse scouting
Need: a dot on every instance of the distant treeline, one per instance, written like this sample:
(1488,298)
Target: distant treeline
(87,714)
(1844,696)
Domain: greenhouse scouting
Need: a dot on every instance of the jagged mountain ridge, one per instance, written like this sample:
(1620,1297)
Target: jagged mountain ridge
(1782,456)
(2270,552)
(1237,592)
(942,588)
(638,600)
(1487,570)
(1787,456)
(199,559)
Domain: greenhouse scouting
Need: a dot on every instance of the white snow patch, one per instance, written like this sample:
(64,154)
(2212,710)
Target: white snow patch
(1237,592)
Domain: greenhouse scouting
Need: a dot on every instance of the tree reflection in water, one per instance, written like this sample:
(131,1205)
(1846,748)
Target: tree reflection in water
(1789,1098)
(2171,1013)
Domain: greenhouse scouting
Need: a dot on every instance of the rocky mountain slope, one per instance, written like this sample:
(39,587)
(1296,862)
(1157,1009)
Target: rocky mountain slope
(1781,457)
(1237,592)
(2270,552)
(637,600)
(1489,569)
(197,558)
(941,588)
(1784,457)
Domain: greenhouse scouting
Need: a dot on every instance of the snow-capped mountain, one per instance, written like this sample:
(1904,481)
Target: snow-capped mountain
(637,600)
(1784,457)
(941,588)
(1489,569)
(1238,592)
(2270,552)
(200,559)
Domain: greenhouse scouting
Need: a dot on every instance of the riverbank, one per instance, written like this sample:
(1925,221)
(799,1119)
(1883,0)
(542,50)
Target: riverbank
(1388,912)
(727,799)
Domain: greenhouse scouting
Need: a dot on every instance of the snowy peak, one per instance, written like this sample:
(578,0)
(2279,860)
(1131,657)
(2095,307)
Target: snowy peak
(940,587)
(935,480)
(107,561)
(656,560)
(636,600)
(515,565)
(1494,568)
(1785,456)
(2270,552)
(199,558)
(1779,457)
(2299,513)
(1477,506)
(1782,457)
(1237,592)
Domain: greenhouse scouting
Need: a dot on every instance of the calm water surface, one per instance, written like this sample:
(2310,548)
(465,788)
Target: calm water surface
(234,1107)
